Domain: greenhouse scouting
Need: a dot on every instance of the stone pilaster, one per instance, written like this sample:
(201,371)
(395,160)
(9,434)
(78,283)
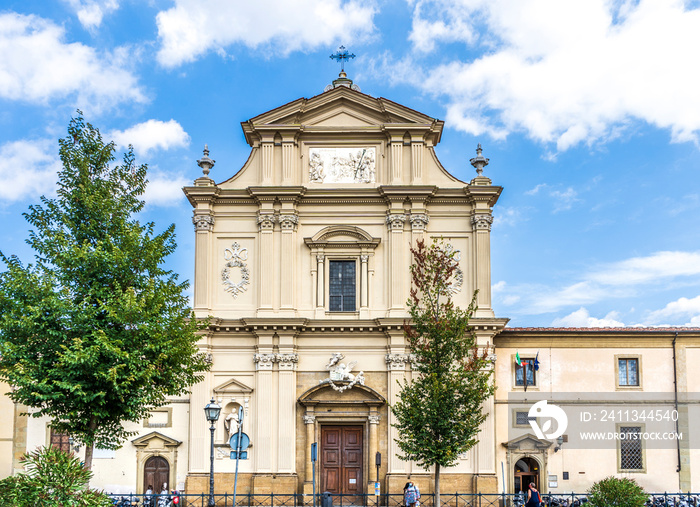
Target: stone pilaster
(320,287)
(286,385)
(396,161)
(481,225)
(203,225)
(417,149)
(266,223)
(398,270)
(364,284)
(396,366)
(200,395)
(310,423)
(267,161)
(288,265)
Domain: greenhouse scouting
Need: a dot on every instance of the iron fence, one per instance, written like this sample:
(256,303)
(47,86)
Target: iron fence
(386,500)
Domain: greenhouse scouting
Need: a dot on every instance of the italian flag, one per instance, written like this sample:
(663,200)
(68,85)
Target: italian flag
(518,361)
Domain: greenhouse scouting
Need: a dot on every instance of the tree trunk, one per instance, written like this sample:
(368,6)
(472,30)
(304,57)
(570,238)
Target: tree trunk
(89,451)
(436,503)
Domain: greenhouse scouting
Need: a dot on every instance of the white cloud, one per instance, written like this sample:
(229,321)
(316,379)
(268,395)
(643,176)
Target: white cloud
(581,318)
(37,65)
(152,134)
(681,308)
(91,12)
(165,189)
(564,71)
(603,282)
(28,169)
(562,199)
(652,268)
(192,28)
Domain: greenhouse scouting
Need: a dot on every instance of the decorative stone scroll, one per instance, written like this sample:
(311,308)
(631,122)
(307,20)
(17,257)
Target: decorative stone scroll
(373,419)
(309,418)
(342,165)
(235,257)
(203,223)
(482,221)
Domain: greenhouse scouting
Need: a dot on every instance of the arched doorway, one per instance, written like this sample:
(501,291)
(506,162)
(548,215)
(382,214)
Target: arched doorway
(156,472)
(527,470)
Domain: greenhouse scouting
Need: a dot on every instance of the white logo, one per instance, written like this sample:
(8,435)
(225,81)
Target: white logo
(541,410)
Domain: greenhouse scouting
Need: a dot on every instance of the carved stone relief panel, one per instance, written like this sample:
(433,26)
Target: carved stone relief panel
(342,165)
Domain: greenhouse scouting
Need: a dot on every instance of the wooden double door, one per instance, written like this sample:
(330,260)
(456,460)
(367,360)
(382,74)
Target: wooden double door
(341,460)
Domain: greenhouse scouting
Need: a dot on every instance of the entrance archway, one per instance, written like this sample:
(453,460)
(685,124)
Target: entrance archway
(156,472)
(526,470)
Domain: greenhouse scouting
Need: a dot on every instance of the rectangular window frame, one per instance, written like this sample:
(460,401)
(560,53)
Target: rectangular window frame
(59,440)
(643,449)
(623,387)
(344,258)
(514,377)
(514,415)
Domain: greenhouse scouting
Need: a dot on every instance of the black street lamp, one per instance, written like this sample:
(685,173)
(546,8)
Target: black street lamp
(212,411)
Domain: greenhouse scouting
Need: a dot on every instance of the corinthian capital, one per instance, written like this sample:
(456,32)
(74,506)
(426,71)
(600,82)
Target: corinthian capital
(288,222)
(395,221)
(482,221)
(263,361)
(419,221)
(204,223)
(266,221)
(287,361)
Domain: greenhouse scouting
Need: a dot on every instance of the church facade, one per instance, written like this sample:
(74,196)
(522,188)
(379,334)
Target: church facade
(302,258)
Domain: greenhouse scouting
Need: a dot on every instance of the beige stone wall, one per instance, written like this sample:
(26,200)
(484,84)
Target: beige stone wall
(7,431)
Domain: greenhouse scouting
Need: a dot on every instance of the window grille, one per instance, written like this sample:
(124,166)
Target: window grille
(631,448)
(522,419)
(60,440)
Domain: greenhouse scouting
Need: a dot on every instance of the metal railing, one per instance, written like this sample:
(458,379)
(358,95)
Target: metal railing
(388,500)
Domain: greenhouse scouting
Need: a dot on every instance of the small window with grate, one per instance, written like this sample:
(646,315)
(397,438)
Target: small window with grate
(341,286)
(631,456)
(529,366)
(522,419)
(60,440)
(628,372)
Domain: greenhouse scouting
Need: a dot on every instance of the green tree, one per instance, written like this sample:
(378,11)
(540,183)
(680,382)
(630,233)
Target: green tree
(96,332)
(438,413)
(52,477)
(622,492)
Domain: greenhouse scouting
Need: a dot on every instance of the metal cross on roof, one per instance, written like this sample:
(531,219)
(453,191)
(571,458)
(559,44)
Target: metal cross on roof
(342,55)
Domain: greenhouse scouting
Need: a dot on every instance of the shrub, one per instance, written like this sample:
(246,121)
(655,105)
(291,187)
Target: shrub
(618,492)
(52,478)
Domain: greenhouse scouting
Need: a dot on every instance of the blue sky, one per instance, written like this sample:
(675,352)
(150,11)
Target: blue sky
(588,110)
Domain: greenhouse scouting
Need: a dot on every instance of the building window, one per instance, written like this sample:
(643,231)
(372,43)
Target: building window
(341,286)
(523,419)
(631,456)
(628,372)
(529,365)
(60,440)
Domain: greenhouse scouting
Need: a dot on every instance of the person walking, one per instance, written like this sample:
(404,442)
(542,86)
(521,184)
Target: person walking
(533,496)
(411,494)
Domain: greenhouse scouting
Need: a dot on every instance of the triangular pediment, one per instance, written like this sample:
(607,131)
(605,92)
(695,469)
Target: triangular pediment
(342,108)
(145,440)
(527,442)
(233,386)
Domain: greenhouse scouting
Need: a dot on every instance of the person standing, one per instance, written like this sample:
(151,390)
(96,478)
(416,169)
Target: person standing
(411,494)
(533,496)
